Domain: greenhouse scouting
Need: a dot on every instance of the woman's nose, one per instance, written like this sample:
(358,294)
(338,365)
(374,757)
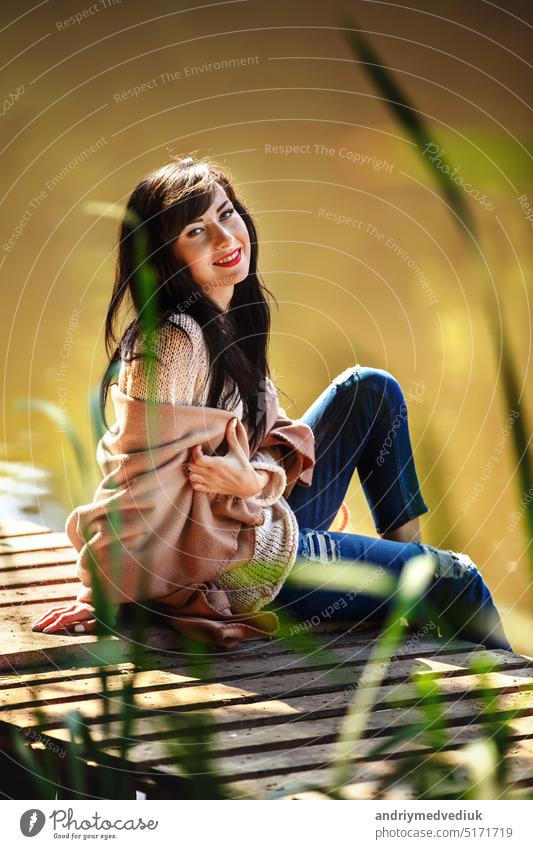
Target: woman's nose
(222,237)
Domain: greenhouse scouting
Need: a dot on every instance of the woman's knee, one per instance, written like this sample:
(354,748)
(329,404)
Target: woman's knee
(451,564)
(381,383)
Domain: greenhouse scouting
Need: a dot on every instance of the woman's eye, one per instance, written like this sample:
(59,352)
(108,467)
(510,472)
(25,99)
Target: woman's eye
(195,230)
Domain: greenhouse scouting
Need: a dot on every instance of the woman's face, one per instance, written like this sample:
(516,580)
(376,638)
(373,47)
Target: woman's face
(216,249)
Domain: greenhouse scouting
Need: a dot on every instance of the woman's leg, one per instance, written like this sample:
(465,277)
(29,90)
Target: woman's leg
(457,599)
(360,422)
(410,532)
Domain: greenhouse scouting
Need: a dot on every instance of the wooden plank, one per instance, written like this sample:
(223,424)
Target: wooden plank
(20,578)
(236,740)
(62,652)
(307,679)
(279,761)
(87,649)
(24,648)
(21,527)
(460,713)
(276,713)
(365,782)
(226,666)
(34,542)
(320,749)
(36,559)
(278,657)
(151,735)
(35,649)
(287,787)
(230,744)
(27,649)
(272,700)
(256,757)
(270,760)
(40,594)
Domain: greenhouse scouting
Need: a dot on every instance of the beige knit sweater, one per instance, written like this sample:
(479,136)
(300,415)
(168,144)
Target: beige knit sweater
(183,377)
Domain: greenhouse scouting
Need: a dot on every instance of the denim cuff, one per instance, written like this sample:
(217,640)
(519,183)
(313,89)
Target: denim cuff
(416,508)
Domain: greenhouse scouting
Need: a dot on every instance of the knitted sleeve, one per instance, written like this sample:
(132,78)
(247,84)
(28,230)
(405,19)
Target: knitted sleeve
(267,459)
(175,376)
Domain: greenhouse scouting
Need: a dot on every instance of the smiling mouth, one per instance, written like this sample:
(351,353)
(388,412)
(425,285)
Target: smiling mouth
(230,259)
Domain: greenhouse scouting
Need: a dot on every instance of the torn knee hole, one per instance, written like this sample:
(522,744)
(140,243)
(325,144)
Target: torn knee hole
(450,564)
(321,546)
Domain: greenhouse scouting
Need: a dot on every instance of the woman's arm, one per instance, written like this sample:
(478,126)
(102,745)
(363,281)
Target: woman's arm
(172,377)
(266,462)
(169,379)
(233,474)
(292,443)
(182,364)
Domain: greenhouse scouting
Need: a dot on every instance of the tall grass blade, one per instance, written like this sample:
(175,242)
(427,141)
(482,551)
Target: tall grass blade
(409,117)
(413,581)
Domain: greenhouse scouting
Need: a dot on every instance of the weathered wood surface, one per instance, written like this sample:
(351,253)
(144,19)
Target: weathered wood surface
(275,714)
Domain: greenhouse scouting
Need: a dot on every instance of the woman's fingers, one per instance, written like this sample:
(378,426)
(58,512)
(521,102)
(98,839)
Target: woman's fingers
(72,627)
(68,619)
(200,487)
(49,616)
(202,464)
(86,627)
(66,615)
(196,453)
(53,623)
(195,478)
(233,440)
(53,610)
(199,483)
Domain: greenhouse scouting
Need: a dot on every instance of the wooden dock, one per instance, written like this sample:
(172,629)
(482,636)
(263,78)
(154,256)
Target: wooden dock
(275,715)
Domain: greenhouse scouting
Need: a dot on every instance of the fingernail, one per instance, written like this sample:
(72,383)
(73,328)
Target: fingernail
(234,423)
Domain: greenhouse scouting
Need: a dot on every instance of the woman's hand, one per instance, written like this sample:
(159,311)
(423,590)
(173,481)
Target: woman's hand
(73,618)
(231,474)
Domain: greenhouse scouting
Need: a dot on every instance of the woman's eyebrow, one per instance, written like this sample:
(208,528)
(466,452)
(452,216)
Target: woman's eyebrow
(218,210)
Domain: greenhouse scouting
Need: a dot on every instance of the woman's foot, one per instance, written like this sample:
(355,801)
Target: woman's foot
(410,532)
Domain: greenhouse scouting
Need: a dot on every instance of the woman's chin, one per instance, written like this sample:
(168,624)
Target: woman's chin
(231,279)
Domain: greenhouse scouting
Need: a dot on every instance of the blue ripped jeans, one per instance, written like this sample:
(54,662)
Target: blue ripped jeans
(360,422)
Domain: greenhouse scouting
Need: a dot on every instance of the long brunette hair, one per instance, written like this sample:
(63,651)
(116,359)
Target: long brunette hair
(160,206)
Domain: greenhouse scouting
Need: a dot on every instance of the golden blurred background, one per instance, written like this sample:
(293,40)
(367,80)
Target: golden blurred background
(362,254)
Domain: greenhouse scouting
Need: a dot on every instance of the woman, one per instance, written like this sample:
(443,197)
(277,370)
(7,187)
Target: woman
(207,322)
